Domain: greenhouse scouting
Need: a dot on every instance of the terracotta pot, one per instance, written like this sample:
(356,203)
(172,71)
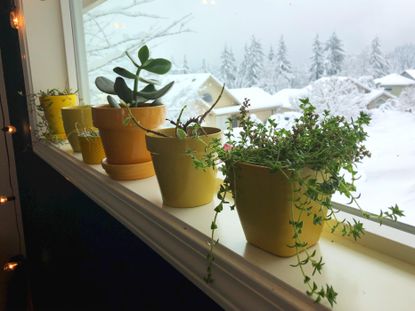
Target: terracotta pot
(92,149)
(264,201)
(181,184)
(52,106)
(125,144)
(77,117)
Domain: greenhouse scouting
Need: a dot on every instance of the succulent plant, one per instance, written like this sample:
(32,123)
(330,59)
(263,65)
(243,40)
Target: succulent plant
(148,95)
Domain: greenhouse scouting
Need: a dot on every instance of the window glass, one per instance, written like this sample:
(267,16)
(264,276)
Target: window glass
(346,56)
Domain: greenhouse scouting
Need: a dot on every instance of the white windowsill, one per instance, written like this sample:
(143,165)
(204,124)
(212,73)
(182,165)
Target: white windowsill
(366,278)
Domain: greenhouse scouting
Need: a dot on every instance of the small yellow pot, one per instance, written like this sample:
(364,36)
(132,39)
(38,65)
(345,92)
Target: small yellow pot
(181,184)
(92,149)
(76,118)
(52,106)
(264,201)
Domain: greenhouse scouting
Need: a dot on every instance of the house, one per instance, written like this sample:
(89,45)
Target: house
(394,83)
(262,104)
(198,92)
(409,73)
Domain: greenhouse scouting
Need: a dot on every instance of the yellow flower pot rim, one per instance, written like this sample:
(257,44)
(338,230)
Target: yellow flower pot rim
(77,107)
(214,130)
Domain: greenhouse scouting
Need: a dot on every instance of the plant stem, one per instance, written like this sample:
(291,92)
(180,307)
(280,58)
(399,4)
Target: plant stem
(138,124)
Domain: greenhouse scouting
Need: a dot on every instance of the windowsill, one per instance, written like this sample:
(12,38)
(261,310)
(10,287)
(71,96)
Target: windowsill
(364,274)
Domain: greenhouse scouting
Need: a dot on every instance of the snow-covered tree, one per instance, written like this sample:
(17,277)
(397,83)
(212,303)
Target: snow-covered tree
(205,66)
(283,69)
(185,67)
(402,58)
(108,36)
(268,82)
(357,65)
(317,60)
(379,66)
(228,69)
(334,56)
(251,69)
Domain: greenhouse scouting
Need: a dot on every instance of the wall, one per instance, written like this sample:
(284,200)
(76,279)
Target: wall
(79,257)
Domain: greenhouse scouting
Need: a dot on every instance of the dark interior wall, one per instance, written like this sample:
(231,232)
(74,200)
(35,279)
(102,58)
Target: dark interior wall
(80,257)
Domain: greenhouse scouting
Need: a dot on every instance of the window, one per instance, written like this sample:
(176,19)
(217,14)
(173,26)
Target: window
(276,52)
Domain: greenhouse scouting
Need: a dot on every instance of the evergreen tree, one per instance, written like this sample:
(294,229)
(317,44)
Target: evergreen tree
(334,56)
(228,69)
(317,61)
(186,68)
(379,66)
(205,67)
(268,78)
(283,69)
(251,70)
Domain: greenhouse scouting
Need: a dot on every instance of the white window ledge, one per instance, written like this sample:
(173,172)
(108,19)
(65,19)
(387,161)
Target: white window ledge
(246,278)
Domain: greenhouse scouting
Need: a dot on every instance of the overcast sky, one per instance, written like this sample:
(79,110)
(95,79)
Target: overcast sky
(232,22)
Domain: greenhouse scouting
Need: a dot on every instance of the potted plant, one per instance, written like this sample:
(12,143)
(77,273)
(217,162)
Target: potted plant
(282,180)
(124,143)
(51,102)
(76,118)
(172,149)
(91,146)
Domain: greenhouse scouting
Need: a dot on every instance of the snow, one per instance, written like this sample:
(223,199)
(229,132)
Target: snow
(387,178)
(411,72)
(288,98)
(394,79)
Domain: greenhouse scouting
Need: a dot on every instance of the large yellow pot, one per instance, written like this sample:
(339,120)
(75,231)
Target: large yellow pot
(74,119)
(52,106)
(264,201)
(92,149)
(125,144)
(181,184)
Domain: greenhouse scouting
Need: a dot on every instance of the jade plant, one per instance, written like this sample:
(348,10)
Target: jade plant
(329,145)
(147,94)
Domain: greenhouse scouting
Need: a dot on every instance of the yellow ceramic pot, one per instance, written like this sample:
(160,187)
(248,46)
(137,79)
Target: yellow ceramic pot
(181,184)
(125,144)
(92,149)
(76,118)
(52,106)
(264,201)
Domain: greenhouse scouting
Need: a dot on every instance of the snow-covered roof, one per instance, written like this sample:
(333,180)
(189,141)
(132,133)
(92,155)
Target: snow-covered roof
(288,98)
(394,79)
(410,72)
(368,98)
(258,99)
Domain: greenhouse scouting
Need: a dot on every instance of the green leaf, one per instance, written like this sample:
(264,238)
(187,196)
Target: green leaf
(123,91)
(143,54)
(158,65)
(124,73)
(105,85)
(113,103)
(148,81)
(180,133)
(157,93)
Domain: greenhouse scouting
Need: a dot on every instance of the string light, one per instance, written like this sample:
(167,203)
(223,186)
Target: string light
(4,199)
(16,19)
(10,129)
(10,266)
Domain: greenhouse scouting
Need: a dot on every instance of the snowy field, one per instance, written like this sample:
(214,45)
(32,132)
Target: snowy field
(388,177)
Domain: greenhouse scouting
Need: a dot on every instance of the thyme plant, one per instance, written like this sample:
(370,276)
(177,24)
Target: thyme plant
(329,146)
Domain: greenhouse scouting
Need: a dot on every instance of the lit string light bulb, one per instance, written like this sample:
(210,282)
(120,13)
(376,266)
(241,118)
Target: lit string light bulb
(16,19)
(9,129)
(10,266)
(4,199)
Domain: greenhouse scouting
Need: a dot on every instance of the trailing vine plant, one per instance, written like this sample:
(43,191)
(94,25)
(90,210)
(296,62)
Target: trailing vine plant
(327,145)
